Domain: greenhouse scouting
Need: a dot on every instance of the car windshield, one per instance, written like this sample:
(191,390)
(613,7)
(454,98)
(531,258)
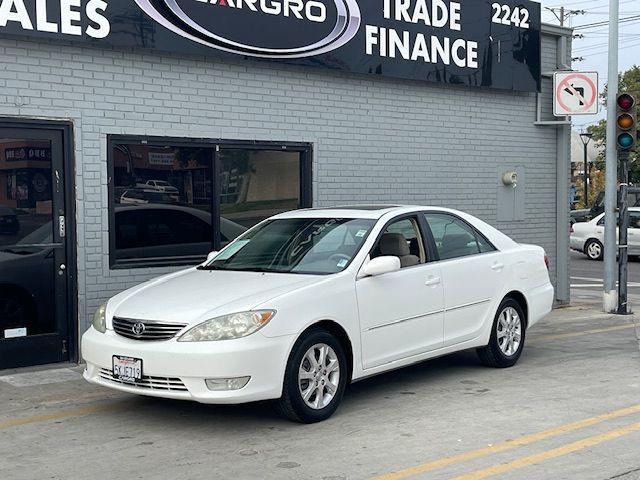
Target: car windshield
(317,246)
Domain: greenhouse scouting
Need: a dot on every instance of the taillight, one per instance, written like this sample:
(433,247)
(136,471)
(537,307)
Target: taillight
(547,262)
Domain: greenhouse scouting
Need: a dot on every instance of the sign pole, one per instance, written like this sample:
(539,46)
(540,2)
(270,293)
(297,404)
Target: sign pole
(609,294)
(623,256)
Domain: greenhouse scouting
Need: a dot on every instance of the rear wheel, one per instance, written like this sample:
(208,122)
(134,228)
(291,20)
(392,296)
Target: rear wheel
(507,336)
(315,378)
(594,249)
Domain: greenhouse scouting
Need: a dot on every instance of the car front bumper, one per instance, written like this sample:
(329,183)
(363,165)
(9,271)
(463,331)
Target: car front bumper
(178,370)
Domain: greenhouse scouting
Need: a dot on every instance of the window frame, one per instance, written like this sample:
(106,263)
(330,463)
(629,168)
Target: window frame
(216,144)
(476,232)
(425,237)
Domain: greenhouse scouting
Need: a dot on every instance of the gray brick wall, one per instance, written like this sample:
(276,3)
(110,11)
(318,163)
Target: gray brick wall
(375,139)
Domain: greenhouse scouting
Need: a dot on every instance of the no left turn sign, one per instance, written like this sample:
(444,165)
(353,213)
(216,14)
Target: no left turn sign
(575,93)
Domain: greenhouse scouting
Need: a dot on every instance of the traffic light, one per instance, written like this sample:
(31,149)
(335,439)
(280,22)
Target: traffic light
(626,126)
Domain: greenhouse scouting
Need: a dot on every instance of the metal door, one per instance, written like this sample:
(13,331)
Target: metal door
(34,327)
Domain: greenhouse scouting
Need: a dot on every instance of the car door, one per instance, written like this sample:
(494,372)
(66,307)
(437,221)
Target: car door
(634,233)
(401,313)
(472,274)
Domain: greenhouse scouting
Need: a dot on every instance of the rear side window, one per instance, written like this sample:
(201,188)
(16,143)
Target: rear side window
(454,238)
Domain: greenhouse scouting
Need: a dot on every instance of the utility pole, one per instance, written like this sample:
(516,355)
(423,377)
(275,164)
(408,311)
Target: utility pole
(562,14)
(623,215)
(586,138)
(609,297)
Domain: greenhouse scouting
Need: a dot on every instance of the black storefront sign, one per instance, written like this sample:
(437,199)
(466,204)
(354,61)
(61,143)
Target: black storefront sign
(481,43)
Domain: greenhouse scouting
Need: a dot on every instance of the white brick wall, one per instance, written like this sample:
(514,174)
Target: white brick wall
(374,139)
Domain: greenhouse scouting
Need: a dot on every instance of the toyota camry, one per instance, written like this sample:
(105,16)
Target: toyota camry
(308,301)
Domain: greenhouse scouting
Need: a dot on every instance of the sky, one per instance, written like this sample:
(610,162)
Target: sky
(593,47)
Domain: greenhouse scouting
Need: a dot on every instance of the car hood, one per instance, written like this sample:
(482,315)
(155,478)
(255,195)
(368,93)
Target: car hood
(192,296)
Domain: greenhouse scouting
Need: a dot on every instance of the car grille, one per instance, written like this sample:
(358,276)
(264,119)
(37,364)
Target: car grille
(149,383)
(152,330)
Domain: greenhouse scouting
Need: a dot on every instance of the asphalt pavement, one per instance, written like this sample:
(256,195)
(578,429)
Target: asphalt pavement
(570,409)
(587,277)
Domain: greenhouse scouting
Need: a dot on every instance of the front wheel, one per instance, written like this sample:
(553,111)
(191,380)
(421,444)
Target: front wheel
(507,336)
(315,378)
(594,250)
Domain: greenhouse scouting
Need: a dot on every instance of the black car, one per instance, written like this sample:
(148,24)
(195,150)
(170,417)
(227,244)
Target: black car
(9,224)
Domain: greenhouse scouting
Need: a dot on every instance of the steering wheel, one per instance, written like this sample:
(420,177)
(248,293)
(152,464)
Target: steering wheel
(339,256)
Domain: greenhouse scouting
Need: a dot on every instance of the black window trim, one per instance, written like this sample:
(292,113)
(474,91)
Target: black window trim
(476,232)
(306,185)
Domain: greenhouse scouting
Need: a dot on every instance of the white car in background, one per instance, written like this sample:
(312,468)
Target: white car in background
(308,301)
(588,237)
(159,186)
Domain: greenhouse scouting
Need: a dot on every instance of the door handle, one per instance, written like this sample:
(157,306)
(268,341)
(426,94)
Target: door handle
(496,267)
(432,281)
(62,268)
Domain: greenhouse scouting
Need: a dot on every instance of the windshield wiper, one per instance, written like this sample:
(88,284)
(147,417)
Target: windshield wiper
(209,267)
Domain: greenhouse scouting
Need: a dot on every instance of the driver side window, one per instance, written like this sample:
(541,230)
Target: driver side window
(401,239)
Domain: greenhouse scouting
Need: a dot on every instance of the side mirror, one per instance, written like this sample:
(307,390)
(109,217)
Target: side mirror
(380,266)
(211,256)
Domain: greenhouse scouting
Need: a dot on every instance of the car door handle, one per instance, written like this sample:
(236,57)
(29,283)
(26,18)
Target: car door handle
(497,267)
(432,281)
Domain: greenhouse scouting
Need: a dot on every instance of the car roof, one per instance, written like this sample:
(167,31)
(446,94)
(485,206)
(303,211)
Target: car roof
(374,212)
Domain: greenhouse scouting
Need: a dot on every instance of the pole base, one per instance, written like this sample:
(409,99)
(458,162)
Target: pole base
(610,301)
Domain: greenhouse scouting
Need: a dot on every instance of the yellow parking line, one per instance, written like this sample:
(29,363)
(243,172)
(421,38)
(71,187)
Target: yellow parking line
(560,336)
(509,444)
(550,454)
(79,412)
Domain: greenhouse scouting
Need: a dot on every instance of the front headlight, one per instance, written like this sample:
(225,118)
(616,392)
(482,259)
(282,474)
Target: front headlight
(100,318)
(227,327)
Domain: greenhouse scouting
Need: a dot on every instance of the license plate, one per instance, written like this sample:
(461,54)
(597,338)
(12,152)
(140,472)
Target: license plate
(127,369)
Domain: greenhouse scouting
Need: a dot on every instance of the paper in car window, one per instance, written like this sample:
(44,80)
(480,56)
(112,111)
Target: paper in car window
(361,233)
(231,250)
(342,263)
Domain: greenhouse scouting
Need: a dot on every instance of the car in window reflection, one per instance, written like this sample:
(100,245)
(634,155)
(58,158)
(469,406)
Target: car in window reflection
(158,231)
(9,223)
(27,267)
(142,197)
(26,270)
(308,301)
(160,186)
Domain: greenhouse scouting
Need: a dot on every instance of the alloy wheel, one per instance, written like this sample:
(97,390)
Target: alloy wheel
(594,250)
(509,331)
(319,376)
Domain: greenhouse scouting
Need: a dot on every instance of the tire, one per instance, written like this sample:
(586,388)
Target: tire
(496,354)
(292,404)
(594,250)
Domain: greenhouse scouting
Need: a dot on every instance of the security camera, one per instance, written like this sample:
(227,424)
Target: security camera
(510,179)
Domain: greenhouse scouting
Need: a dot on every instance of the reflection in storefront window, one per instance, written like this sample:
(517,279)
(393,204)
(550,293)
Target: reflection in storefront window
(256,184)
(163,197)
(162,201)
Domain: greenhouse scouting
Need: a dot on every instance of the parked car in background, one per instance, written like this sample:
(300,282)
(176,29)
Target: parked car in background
(308,301)
(160,186)
(9,223)
(587,214)
(588,237)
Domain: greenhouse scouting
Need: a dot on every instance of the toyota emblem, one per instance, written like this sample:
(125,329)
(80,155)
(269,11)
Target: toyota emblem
(138,329)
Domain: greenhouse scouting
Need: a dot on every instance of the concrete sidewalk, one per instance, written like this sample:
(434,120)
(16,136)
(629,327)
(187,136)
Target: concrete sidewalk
(570,409)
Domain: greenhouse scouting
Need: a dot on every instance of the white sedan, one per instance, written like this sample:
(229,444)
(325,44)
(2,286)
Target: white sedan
(588,237)
(308,301)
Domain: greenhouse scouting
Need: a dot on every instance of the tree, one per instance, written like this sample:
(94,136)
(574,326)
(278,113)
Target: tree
(629,82)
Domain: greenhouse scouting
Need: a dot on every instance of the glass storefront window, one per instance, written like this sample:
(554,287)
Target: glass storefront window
(165,195)
(257,184)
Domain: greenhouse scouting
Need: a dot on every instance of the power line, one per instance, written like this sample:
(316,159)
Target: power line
(631,19)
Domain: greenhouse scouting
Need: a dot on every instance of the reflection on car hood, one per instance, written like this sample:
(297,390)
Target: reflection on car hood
(192,296)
